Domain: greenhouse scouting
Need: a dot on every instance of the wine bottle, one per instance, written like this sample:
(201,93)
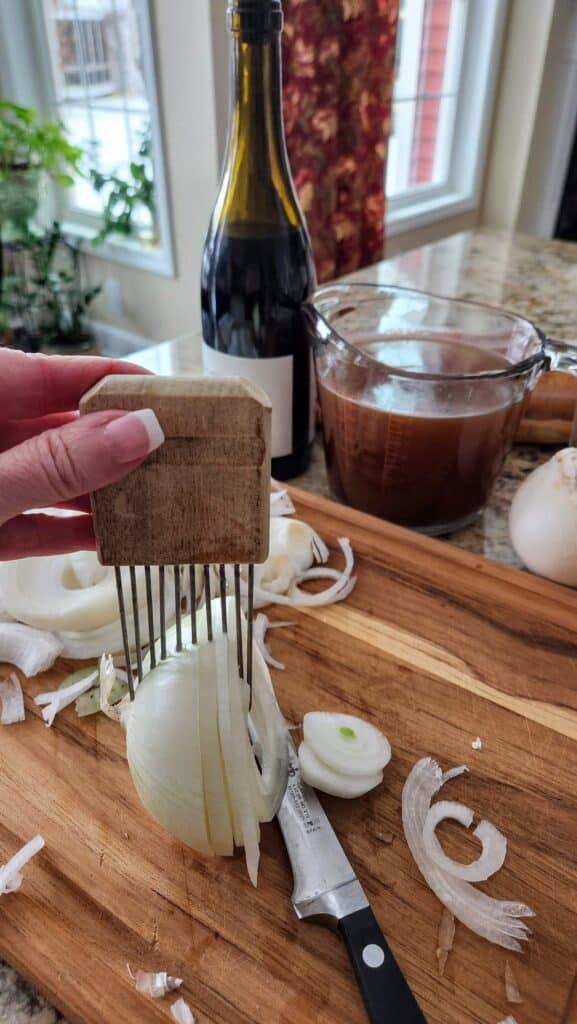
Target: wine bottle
(257,265)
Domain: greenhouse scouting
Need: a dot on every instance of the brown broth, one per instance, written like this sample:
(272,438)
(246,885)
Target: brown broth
(424,454)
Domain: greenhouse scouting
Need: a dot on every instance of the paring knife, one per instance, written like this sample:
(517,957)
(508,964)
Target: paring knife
(327,891)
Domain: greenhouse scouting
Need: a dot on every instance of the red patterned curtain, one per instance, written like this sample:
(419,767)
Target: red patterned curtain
(338,66)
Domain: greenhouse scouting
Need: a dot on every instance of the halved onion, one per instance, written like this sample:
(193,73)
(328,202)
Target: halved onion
(188,746)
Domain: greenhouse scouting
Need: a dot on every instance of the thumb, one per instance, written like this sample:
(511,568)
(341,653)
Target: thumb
(63,463)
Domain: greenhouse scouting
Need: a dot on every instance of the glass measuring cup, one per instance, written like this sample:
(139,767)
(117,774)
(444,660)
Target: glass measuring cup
(421,397)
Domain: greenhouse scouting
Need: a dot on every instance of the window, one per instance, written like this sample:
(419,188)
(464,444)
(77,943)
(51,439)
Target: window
(447,55)
(95,71)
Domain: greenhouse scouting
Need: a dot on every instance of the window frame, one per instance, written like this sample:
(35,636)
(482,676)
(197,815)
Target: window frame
(461,193)
(27,78)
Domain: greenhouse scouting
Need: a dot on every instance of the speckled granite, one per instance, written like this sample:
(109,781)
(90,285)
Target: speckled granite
(535,279)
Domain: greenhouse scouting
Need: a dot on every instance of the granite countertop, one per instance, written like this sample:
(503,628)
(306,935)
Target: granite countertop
(527,276)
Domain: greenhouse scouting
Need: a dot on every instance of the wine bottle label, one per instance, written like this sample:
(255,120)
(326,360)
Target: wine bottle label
(275,376)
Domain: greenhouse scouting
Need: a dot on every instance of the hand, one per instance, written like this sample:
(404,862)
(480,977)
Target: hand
(50,457)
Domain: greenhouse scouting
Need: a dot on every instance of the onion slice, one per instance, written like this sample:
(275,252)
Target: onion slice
(261,624)
(281,504)
(180,1011)
(492,919)
(494,844)
(29,649)
(345,743)
(11,872)
(320,776)
(445,939)
(12,700)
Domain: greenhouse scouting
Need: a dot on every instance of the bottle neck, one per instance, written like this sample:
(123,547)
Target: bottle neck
(257,179)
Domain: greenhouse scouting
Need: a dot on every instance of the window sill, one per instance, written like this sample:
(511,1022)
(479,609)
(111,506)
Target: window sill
(406,216)
(124,250)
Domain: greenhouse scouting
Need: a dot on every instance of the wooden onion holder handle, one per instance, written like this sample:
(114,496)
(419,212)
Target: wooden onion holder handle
(203,496)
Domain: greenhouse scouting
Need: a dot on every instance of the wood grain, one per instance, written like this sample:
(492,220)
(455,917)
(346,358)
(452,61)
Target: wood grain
(437,647)
(202,496)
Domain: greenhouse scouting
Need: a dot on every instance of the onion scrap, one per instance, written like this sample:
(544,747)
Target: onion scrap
(56,700)
(261,624)
(155,984)
(445,939)
(12,700)
(342,755)
(508,1020)
(492,919)
(511,986)
(29,649)
(180,1011)
(11,872)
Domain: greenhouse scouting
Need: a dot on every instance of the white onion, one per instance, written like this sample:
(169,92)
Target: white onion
(31,650)
(188,746)
(74,596)
(261,625)
(495,920)
(345,743)
(56,700)
(11,872)
(543,519)
(12,700)
(180,1012)
(155,984)
(317,774)
(493,842)
(281,504)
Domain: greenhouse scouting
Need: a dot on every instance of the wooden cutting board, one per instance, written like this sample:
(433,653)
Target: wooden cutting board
(436,646)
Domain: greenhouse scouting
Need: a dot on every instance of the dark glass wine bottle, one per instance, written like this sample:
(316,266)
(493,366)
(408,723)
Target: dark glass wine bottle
(257,265)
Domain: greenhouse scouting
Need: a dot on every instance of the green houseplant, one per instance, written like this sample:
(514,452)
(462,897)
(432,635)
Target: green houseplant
(29,146)
(126,199)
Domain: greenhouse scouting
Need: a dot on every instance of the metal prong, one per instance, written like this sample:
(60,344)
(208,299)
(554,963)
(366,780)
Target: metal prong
(192,570)
(222,575)
(162,613)
(207,600)
(150,610)
(238,610)
(177,608)
(125,643)
(249,633)
(137,643)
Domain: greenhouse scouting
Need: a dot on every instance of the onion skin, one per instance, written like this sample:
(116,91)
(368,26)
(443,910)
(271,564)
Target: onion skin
(543,519)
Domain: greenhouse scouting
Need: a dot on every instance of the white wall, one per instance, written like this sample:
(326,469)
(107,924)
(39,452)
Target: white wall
(517,102)
(160,307)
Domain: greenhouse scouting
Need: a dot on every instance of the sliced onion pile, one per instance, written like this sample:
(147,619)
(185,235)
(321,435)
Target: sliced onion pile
(189,751)
(495,920)
(74,598)
(342,755)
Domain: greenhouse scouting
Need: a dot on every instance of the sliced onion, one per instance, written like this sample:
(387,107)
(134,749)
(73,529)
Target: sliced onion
(494,844)
(188,745)
(12,700)
(180,1012)
(11,872)
(495,920)
(345,743)
(31,650)
(261,624)
(317,774)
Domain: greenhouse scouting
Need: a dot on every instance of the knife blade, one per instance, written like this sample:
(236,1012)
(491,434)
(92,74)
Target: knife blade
(327,891)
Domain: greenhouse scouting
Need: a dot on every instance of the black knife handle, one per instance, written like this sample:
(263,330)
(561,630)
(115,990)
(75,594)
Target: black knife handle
(386,995)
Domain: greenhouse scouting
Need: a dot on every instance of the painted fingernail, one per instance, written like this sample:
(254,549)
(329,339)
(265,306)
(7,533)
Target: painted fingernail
(134,435)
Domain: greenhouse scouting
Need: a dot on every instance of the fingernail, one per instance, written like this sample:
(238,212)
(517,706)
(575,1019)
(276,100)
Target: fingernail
(134,435)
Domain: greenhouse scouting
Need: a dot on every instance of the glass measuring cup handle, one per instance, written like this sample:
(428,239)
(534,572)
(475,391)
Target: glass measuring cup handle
(562,356)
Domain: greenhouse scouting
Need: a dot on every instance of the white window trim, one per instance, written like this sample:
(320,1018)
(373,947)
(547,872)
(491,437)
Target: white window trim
(462,191)
(26,77)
